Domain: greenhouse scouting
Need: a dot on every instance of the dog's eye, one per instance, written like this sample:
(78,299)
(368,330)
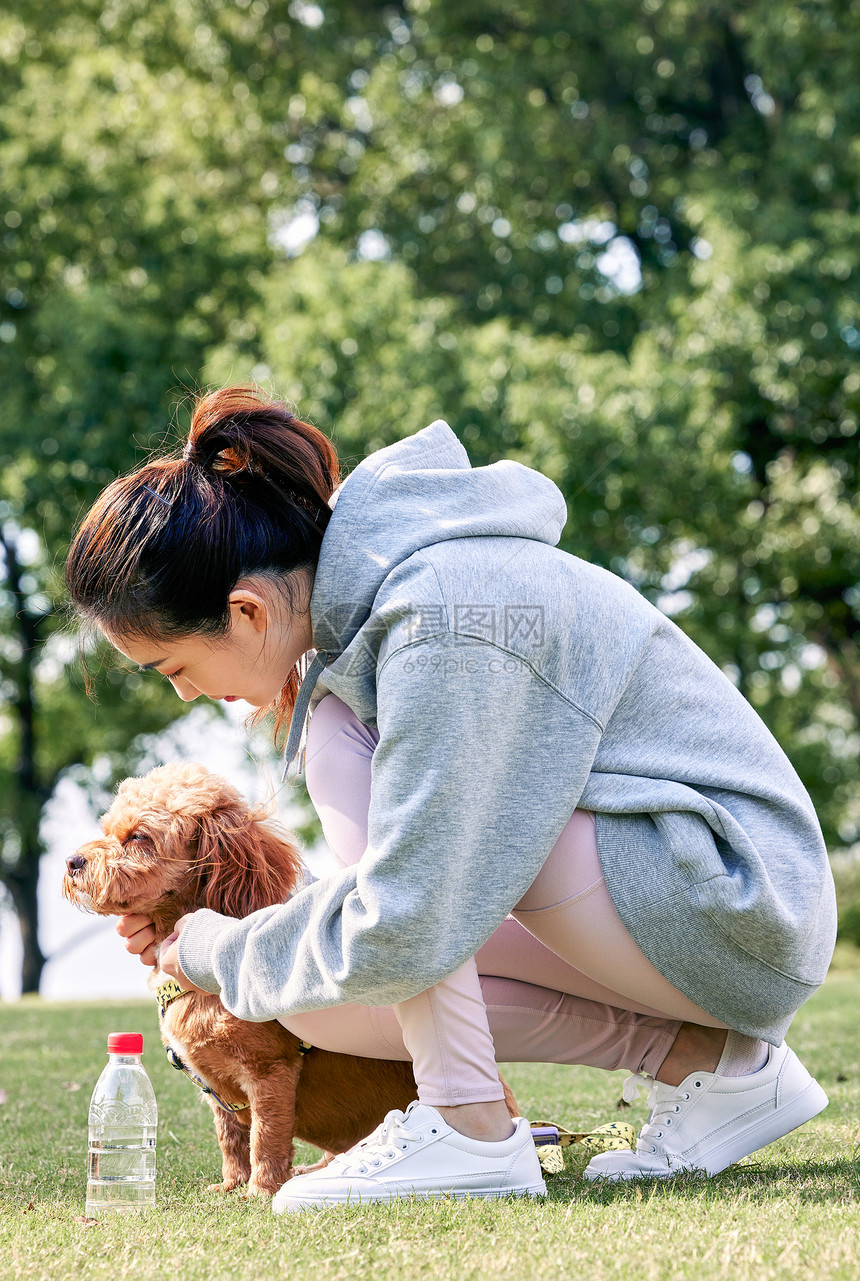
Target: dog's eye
(135,837)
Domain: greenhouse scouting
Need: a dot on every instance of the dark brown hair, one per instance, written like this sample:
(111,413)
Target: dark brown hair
(161,549)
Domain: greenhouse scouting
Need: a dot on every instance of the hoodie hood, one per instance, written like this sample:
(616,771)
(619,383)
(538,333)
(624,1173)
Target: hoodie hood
(416,492)
(405,497)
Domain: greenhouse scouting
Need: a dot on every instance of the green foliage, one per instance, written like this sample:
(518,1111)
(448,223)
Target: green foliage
(615,242)
(704,425)
(846,873)
(644,448)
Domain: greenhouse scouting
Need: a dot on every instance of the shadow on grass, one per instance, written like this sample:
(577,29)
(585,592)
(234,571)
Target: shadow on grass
(809,1183)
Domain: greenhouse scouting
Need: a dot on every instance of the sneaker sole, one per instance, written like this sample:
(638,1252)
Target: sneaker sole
(330,1202)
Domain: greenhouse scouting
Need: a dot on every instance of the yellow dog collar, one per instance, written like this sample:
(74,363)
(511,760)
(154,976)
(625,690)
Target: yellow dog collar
(167,993)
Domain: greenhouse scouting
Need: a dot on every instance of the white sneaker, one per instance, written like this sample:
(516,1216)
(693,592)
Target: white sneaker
(417,1153)
(708,1122)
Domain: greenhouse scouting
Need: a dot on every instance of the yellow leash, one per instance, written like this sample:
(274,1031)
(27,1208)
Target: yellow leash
(550,1139)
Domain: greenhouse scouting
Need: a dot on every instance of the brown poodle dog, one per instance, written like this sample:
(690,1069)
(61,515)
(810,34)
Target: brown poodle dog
(179,839)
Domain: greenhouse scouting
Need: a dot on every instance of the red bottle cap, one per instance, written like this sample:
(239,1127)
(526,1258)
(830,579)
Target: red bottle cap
(125,1043)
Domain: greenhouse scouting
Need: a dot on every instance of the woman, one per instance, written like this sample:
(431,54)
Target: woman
(498,728)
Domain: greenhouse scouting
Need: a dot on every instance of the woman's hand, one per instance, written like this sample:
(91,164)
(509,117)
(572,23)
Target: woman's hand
(168,956)
(139,934)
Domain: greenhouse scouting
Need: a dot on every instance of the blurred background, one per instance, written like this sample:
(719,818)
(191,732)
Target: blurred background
(616,241)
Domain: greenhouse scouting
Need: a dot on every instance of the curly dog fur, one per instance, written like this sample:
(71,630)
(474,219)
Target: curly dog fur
(179,839)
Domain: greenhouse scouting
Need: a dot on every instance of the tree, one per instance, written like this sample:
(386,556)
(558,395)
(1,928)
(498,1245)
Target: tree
(125,254)
(616,242)
(643,449)
(530,164)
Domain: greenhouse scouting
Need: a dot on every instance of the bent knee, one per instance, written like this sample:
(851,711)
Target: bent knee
(337,741)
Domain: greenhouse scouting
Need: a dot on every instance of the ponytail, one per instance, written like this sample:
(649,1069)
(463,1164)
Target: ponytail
(236,433)
(162,548)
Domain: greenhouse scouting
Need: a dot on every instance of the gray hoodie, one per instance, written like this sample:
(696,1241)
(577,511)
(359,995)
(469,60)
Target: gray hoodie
(511,682)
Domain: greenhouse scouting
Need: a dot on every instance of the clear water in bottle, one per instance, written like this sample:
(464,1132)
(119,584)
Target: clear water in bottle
(122,1128)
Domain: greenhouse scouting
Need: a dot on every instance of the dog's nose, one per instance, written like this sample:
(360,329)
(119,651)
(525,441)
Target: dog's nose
(75,863)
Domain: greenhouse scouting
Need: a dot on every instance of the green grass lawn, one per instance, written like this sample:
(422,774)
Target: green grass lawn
(791,1211)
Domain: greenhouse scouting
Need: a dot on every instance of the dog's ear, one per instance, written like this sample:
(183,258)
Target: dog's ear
(244,863)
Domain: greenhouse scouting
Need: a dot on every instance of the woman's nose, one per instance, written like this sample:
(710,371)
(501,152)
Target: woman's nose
(75,863)
(185,690)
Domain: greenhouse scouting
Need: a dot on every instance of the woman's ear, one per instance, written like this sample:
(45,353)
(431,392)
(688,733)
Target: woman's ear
(248,607)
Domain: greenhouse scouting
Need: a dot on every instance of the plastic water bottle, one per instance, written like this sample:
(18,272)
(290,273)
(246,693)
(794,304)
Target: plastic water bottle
(123,1121)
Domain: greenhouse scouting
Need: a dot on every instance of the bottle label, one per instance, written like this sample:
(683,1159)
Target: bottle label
(113,1112)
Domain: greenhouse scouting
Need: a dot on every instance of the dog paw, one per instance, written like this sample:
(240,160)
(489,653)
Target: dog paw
(265,1187)
(308,1169)
(226,1186)
(317,1165)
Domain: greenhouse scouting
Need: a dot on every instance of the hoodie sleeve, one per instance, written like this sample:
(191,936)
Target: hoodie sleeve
(468,796)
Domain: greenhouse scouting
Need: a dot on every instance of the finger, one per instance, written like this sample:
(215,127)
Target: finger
(169,963)
(141,942)
(126,926)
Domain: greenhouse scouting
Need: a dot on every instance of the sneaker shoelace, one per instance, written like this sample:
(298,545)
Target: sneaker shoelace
(665,1103)
(391,1136)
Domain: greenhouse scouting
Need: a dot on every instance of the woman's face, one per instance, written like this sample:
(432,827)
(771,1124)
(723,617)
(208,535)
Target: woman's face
(252,661)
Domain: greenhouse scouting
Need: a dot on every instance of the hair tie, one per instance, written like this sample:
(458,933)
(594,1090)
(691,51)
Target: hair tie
(190,455)
(305,504)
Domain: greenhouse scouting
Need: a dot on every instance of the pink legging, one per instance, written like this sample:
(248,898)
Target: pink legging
(560,980)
